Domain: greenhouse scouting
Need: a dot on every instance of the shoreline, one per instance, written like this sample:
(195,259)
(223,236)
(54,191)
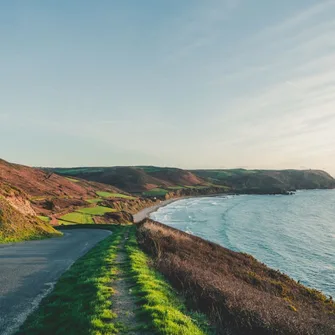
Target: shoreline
(144,213)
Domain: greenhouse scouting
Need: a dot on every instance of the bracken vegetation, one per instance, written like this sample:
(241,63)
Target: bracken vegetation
(239,294)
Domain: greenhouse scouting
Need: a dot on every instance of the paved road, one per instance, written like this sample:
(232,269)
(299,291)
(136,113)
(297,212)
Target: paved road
(29,270)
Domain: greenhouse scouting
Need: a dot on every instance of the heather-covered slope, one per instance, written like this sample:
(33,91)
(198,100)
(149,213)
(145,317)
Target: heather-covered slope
(239,294)
(65,200)
(37,182)
(16,226)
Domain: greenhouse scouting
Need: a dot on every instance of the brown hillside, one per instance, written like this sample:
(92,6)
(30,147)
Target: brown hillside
(175,176)
(238,293)
(129,179)
(36,182)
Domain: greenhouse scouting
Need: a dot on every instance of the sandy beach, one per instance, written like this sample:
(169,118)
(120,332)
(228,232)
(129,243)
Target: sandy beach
(144,213)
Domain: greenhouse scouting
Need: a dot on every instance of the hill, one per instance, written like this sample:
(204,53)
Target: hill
(268,181)
(169,182)
(17,226)
(43,195)
(239,294)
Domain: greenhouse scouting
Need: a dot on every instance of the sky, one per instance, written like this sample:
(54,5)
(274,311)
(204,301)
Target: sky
(190,84)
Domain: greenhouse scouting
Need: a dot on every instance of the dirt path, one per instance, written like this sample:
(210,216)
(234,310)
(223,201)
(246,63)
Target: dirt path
(124,304)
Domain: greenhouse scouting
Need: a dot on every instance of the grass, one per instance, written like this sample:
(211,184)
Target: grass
(163,310)
(176,187)
(16,227)
(81,301)
(75,217)
(114,195)
(85,215)
(44,218)
(98,210)
(237,293)
(156,192)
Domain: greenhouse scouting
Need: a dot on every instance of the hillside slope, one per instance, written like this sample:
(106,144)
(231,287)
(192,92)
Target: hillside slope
(160,181)
(16,226)
(49,193)
(37,182)
(268,181)
(239,294)
(65,200)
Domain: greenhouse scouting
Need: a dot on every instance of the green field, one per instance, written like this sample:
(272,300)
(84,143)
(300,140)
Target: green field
(44,218)
(85,215)
(98,210)
(76,217)
(113,195)
(156,192)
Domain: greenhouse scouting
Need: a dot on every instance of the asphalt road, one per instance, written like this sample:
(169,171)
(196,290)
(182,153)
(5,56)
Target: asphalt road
(29,270)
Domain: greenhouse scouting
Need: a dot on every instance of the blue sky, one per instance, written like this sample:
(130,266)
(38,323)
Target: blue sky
(192,84)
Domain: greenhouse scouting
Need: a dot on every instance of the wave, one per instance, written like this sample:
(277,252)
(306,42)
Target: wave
(293,234)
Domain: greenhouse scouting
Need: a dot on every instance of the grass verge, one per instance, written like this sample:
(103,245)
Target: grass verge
(81,300)
(163,310)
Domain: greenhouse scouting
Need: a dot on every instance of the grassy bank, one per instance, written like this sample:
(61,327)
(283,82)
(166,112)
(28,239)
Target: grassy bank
(16,227)
(238,293)
(81,300)
(164,312)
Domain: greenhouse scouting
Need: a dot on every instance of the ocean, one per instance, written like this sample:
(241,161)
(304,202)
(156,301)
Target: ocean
(295,234)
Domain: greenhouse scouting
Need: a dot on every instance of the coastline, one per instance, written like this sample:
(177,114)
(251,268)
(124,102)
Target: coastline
(144,213)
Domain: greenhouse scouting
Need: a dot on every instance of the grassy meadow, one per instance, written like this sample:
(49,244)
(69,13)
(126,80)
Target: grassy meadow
(114,195)
(84,215)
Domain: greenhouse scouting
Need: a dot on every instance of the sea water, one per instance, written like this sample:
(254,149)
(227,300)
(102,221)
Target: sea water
(295,234)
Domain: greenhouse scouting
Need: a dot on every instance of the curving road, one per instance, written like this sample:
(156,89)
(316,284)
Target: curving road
(29,270)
